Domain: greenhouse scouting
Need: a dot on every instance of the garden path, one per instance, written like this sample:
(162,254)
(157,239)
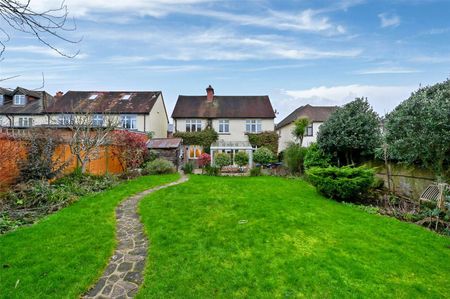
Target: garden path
(125,271)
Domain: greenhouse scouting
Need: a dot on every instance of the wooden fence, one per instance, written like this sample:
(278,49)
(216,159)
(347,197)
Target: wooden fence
(13,151)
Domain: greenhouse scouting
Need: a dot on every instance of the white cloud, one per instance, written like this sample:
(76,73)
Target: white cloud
(221,45)
(387,70)
(304,20)
(383,98)
(389,20)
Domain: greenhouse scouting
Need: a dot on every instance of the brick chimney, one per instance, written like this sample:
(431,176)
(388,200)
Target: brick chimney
(59,94)
(209,94)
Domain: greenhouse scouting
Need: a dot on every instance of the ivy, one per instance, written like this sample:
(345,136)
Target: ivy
(267,139)
(204,138)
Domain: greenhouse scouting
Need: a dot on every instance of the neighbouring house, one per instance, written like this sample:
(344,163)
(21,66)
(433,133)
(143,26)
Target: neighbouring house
(142,111)
(316,116)
(167,148)
(232,117)
(23,108)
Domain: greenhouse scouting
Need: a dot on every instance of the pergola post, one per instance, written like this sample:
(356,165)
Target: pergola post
(250,158)
(212,156)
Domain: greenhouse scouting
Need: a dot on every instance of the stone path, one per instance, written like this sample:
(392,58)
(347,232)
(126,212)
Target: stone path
(124,273)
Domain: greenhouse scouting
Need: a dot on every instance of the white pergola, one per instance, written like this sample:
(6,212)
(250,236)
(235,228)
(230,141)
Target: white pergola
(233,146)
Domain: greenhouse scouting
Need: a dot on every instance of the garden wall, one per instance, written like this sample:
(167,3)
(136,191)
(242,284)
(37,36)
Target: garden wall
(405,180)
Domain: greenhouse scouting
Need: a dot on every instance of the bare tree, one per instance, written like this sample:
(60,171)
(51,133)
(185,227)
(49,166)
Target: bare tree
(88,133)
(46,26)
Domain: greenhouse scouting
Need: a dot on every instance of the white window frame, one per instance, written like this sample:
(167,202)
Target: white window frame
(309,130)
(19,99)
(195,148)
(193,125)
(2,100)
(253,126)
(97,120)
(224,126)
(25,122)
(65,119)
(129,121)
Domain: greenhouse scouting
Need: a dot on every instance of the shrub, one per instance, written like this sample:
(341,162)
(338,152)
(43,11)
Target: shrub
(293,158)
(188,168)
(221,160)
(204,160)
(315,157)
(343,184)
(263,155)
(267,139)
(160,166)
(151,155)
(255,171)
(212,170)
(131,148)
(241,158)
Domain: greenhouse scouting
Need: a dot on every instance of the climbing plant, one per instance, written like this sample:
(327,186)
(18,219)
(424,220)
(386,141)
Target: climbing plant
(204,138)
(268,139)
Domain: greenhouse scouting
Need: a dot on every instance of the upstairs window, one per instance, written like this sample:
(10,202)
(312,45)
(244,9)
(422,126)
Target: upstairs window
(129,122)
(97,120)
(309,130)
(65,119)
(126,97)
(224,126)
(19,99)
(93,96)
(193,125)
(253,126)
(25,121)
(2,97)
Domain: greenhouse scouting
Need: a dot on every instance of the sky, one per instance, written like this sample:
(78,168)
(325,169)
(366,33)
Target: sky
(298,52)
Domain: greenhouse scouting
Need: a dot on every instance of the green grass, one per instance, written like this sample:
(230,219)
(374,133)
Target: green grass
(64,253)
(294,244)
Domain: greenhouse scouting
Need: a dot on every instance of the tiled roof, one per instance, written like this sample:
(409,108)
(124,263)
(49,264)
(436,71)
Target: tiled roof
(223,106)
(313,113)
(35,104)
(140,102)
(164,143)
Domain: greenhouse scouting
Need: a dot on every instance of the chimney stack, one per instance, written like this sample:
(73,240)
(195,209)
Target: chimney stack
(59,94)
(209,94)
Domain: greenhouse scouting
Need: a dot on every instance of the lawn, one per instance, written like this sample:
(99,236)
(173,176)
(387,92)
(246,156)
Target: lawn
(64,253)
(268,237)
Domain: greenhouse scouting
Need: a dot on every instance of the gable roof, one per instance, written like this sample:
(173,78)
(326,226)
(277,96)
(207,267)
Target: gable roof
(140,102)
(35,104)
(223,107)
(313,113)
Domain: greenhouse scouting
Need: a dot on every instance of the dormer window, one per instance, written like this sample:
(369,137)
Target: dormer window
(2,97)
(19,99)
(126,96)
(93,96)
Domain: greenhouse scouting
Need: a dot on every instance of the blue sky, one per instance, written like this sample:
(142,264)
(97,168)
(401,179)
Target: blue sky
(298,52)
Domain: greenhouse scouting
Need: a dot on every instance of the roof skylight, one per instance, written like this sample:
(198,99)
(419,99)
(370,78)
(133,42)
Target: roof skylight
(126,96)
(93,96)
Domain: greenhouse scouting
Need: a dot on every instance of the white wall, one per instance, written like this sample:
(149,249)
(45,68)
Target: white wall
(237,128)
(286,136)
(157,121)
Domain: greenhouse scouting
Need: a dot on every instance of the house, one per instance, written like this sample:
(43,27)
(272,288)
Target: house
(232,117)
(22,108)
(316,116)
(142,111)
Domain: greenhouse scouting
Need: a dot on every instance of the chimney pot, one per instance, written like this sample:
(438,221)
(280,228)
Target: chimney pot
(59,94)
(209,94)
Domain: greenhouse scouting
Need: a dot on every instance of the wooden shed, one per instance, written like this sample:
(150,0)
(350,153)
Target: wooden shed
(167,148)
